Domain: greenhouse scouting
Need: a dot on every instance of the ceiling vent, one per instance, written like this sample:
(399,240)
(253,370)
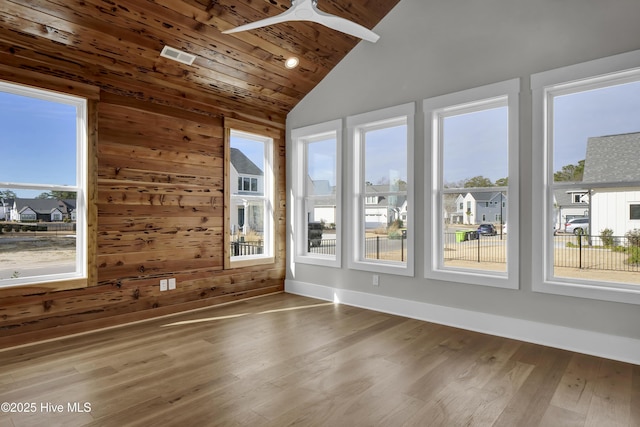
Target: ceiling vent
(177,55)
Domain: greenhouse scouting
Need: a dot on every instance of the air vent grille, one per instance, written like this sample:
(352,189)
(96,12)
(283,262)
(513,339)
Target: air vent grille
(177,55)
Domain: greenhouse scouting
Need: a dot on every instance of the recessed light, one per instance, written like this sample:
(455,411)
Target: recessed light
(291,62)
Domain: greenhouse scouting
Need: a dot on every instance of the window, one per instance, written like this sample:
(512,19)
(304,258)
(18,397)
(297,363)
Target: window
(634,211)
(43,187)
(317,193)
(587,140)
(474,140)
(381,167)
(249,239)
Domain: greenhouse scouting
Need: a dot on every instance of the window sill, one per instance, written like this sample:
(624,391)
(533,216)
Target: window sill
(384,268)
(250,262)
(591,289)
(328,261)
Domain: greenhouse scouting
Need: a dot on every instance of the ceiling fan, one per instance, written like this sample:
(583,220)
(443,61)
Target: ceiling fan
(307,10)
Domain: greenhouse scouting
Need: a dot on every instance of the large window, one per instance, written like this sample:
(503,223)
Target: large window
(474,140)
(587,141)
(249,238)
(381,193)
(317,191)
(43,187)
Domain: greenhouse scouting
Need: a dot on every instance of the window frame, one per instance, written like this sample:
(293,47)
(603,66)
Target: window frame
(270,137)
(85,186)
(622,68)
(356,124)
(301,138)
(435,109)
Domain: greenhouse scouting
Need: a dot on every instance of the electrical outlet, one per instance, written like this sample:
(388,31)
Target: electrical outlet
(163,285)
(376,280)
(172,283)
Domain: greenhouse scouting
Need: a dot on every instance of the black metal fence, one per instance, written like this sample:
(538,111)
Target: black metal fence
(615,253)
(322,246)
(247,248)
(468,245)
(386,248)
(34,228)
(377,247)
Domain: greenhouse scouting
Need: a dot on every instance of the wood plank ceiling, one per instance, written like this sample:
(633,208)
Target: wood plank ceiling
(115,44)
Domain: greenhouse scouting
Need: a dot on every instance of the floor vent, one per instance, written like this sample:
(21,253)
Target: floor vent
(177,55)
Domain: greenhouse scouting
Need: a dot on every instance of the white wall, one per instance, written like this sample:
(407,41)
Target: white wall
(434,48)
(610,209)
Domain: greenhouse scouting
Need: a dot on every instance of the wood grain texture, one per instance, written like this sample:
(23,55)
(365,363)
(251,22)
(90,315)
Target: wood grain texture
(157,179)
(284,360)
(116,45)
(156,212)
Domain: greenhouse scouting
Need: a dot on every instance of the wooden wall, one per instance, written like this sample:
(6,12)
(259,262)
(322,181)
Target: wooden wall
(159,204)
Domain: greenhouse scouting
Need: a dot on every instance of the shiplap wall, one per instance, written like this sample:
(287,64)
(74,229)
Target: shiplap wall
(159,204)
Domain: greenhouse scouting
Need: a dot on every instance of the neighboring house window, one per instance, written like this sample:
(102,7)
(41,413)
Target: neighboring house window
(473,137)
(587,140)
(248,184)
(317,183)
(634,211)
(44,161)
(381,144)
(250,236)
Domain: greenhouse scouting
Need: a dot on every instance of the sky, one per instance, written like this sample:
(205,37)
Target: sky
(476,144)
(37,142)
(38,139)
(608,111)
(321,164)
(251,148)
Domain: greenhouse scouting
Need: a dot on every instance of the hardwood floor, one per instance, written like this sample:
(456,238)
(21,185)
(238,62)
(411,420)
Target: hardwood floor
(288,360)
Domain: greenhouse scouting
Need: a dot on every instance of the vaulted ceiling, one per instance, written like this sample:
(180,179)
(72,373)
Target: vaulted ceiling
(116,44)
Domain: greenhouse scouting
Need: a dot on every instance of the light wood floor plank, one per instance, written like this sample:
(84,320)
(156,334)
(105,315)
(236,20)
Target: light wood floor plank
(284,360)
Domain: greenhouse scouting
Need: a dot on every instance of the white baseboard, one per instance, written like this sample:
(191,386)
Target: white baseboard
(587,342)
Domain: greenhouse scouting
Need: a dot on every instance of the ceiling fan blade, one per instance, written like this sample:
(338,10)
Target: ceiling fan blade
(306,10)
(344,26)
(287,15)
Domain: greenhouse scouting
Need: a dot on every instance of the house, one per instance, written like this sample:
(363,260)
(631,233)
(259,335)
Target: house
(613,158)
(5,208)
(322,206)
(381,210)
(248,180)
(256,352)
(570,204)
(477,207)
(42,210)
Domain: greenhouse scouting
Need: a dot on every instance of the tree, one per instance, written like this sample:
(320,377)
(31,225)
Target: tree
(58,195)
(478,181)
(502,182)
(571,173)
(8,194)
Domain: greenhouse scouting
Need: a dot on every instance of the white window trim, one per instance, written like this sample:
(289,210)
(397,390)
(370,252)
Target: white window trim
(300,138)
(355,239)
(433,109)
(562,81)
(268,199)
(80,187)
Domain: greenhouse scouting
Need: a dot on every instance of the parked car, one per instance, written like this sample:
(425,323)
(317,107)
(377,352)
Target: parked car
(577,226)
(487,229)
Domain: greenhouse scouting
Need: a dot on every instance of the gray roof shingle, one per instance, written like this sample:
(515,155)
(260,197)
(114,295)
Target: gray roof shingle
(613,158)
(243,164)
